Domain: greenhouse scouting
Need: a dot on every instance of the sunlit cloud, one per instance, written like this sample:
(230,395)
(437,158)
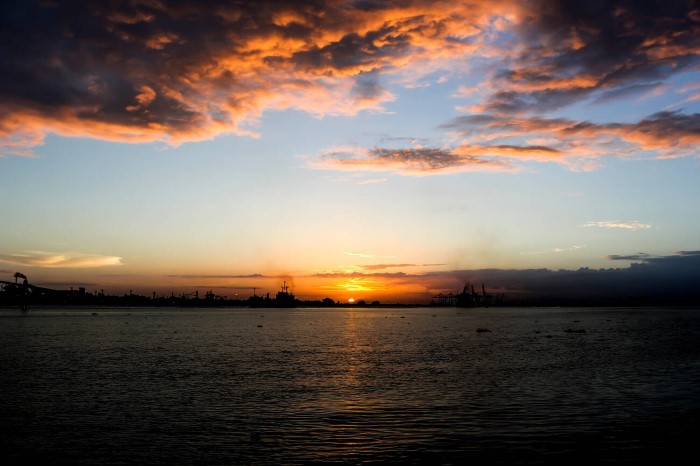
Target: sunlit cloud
(562,56)
(569,141)
(627,225)
(361,284)
(500,143)
(59,260)
(171,72)
(177,72)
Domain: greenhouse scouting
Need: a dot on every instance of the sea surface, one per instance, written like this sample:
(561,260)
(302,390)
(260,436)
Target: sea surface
(348,386)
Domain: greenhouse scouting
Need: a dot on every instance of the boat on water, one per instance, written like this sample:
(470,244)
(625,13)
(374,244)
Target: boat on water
(283,298)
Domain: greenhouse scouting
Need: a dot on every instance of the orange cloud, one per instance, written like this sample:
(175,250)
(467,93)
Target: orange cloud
(570,141)
(143,99)
(156,71)
(174,72)
(491,142)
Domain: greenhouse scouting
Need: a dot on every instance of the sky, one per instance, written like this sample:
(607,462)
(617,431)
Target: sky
(377,150)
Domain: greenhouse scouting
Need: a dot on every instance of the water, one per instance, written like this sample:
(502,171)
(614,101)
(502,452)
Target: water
(348,386)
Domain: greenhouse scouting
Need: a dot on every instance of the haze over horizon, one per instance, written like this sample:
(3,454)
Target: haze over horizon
(377,150)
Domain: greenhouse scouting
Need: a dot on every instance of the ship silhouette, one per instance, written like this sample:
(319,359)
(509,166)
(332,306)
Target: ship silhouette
(283,298)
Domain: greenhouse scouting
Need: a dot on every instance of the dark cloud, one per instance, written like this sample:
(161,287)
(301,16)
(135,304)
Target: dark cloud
(688,253)
(174,71)
(649,280)
(410,161)
(574,50)
(660,125)
(354,51)
(634,257)
(521,148)
(668,126)
(627,92)
(367,87)
(424,158)
(672,279)
(668,133)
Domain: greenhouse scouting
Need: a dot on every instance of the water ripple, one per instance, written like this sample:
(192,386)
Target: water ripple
(348,387)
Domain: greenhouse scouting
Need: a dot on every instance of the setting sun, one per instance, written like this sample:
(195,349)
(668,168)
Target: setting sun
(351,300)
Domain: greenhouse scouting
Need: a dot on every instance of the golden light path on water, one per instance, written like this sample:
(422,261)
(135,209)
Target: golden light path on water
(395,385)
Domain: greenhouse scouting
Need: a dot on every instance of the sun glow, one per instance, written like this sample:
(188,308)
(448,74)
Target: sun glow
(361,284)
(351,300)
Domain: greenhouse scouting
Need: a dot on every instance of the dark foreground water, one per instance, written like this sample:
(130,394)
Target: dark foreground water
(382,386)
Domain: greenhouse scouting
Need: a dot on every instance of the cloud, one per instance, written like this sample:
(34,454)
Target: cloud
(143,99)
(393,266)
(566,52)
(632,91)
(358,254)
(624,224)
(634,257)
(186,71)
(59,260)
(170,71)
(502,143)
(688,253)
(668,133)
(373,180)
(407,161)
(649,280)
(254,275)
(570,248)
(557,250)
(362,275)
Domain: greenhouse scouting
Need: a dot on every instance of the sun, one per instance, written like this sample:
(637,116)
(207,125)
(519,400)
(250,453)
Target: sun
(351,300)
